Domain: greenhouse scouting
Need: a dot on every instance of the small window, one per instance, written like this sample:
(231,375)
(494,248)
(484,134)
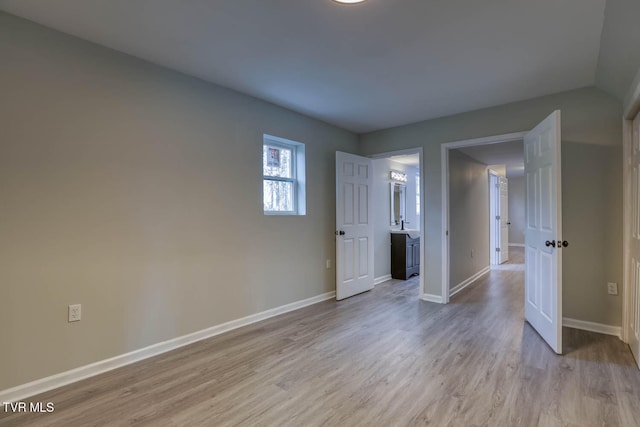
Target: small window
(283,177)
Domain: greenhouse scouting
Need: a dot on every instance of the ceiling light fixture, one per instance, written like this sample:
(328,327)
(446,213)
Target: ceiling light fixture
(349,1)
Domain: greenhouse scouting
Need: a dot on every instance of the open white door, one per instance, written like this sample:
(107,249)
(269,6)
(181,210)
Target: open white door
(494,215)
(633,294)
(354,235)
(543,253)
(504,220)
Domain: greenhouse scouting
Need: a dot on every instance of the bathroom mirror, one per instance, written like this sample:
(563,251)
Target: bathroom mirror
(398,203)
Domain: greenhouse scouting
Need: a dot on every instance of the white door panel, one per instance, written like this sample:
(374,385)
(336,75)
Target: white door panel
(354,238)
(504,220)
(543,278)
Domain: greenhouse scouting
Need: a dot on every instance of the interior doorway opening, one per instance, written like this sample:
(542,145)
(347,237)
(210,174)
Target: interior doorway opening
(399,216)
(543,235)
(478,207)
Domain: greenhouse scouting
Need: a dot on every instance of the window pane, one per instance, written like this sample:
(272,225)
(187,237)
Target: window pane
(278,196)
(276,161)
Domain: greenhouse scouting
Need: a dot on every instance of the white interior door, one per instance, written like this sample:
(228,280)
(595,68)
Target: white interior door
(494,215)
(504,220)
(633,294)
(543,253)
(354,222)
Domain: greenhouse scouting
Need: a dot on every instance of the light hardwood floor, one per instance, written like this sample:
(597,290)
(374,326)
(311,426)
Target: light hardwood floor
(382,358)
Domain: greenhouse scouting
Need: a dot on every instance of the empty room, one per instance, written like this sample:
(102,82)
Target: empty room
(299,213)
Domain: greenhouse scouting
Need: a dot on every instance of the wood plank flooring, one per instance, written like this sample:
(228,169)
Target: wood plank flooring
(382,358)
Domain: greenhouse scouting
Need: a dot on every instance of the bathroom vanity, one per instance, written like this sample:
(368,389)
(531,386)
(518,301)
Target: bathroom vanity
(405,254)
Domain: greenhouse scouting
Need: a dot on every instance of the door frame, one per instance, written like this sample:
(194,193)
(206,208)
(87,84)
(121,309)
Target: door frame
(630,110)
(627,136)
(423,214)
(444,165)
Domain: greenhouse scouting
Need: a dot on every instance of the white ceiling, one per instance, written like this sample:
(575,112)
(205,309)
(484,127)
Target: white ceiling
(407,159)
(504,153)
(363,67)
(510,154)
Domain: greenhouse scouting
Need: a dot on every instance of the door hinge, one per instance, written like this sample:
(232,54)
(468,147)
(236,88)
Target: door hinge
(497,249)
(497,216)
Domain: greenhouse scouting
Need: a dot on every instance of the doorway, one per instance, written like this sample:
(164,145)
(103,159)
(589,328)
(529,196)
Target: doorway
(543,241)
(398,210)
(478,231)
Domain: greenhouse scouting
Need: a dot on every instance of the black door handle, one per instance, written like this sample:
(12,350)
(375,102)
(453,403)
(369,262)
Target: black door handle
(565,243)
(550,243)
(341,233)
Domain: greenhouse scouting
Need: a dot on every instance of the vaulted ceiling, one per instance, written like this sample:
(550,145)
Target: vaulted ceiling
(370,66)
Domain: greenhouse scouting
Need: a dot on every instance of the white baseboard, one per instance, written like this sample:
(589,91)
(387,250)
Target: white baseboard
(49,383)
(381,279)
(460,286)
(432,298)
(517,245)
(592,327)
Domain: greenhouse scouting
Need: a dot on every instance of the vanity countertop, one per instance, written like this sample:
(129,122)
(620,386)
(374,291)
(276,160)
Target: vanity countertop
(414,234)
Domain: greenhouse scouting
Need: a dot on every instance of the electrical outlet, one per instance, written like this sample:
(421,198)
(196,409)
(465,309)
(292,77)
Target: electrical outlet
(328,264)
(75,312)
(612,288)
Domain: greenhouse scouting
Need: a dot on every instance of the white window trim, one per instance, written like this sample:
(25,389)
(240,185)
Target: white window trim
(298,171)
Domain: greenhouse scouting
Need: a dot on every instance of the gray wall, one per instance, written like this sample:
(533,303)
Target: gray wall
(590,123)
(136,191)
(516,210)
(382,211)
(468,217)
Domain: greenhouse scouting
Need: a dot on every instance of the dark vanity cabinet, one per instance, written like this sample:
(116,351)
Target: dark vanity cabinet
(405,256)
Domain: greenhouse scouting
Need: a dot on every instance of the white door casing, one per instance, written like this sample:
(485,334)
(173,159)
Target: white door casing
(354,223)
(633,310)
(543,206)
(504,220)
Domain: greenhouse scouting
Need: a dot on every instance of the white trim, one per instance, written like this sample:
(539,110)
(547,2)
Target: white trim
(460,286)
(487,140)
(517,245)
(444,159)
(627,144)
(631,106)
(49,383)
(592,327)
(444,166)
(381,279)
(423,254)
(432,298)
